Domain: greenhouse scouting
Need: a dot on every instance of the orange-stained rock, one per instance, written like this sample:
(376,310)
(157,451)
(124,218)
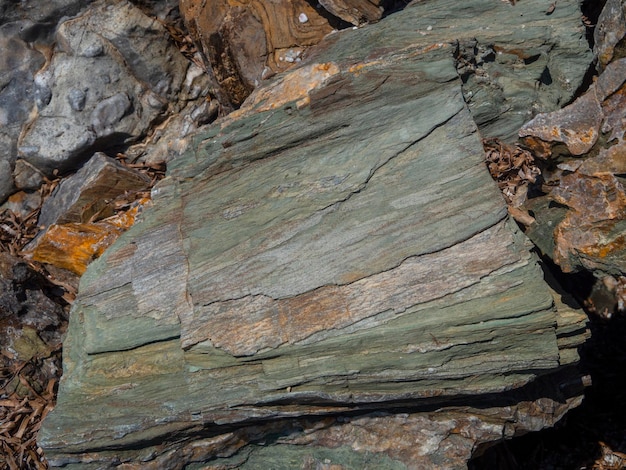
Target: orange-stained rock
(590,234)
(590,231)
(74,245)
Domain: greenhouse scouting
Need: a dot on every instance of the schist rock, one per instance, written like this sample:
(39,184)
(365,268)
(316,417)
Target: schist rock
(328,275)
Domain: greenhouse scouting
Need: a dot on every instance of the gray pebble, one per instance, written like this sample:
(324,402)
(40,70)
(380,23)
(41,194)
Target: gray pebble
(109,111)
(77,99)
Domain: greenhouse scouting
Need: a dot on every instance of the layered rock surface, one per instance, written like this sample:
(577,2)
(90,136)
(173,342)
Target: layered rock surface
(332,265)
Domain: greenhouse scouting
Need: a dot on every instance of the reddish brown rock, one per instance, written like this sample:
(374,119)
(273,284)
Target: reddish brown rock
(244,42)
(591,234)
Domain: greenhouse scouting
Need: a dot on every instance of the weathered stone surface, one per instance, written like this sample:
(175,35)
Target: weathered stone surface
(508,56)
(510,61)
(242,42)
(42,15)
(18,64)
(26,42)
(609,34)
(86,195)
(336,245)
(168,139)
(24,304)
(590,234)
(74,245)
(115,73)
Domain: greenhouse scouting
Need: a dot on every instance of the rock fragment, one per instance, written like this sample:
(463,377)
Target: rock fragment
(87,195)
(590,234)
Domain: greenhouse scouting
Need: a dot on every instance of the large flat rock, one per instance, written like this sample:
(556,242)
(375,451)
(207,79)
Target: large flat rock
(335,246)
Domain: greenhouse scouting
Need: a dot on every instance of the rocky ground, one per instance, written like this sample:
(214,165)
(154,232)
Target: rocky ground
(40,269)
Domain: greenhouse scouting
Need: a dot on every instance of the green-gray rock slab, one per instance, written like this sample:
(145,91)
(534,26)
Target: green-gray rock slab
(335,246)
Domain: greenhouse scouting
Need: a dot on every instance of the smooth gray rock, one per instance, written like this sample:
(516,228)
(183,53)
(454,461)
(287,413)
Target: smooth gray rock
(18,65)
(330,265)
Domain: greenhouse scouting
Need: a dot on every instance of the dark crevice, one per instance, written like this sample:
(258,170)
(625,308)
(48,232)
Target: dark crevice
(591,10)
(574,442)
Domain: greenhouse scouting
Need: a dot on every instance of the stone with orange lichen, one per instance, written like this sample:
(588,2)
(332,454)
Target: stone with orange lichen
(73,246)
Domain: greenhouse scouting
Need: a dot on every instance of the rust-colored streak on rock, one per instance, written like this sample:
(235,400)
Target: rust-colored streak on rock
(273,322)
(73,246)
(295,86)
(603,250)
(576,125)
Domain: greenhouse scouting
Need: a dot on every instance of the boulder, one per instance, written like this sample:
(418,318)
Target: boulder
(26,41)
(328,275)
(115,73)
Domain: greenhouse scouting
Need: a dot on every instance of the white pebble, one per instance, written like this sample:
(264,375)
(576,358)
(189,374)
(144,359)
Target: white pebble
(303,18)
(429,28)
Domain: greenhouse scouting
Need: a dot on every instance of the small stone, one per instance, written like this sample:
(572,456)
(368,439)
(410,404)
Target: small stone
(76,99)
(109,112)
(84,196)
(23,203)
(26,176)
(302,18)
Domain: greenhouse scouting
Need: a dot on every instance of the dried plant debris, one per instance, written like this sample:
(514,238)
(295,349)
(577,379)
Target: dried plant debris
(514,169)
(17,230)
(156,171)
(183,40)
(27,394)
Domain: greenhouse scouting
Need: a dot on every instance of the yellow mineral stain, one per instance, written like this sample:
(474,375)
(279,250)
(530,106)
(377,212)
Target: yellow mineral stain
(73,246)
